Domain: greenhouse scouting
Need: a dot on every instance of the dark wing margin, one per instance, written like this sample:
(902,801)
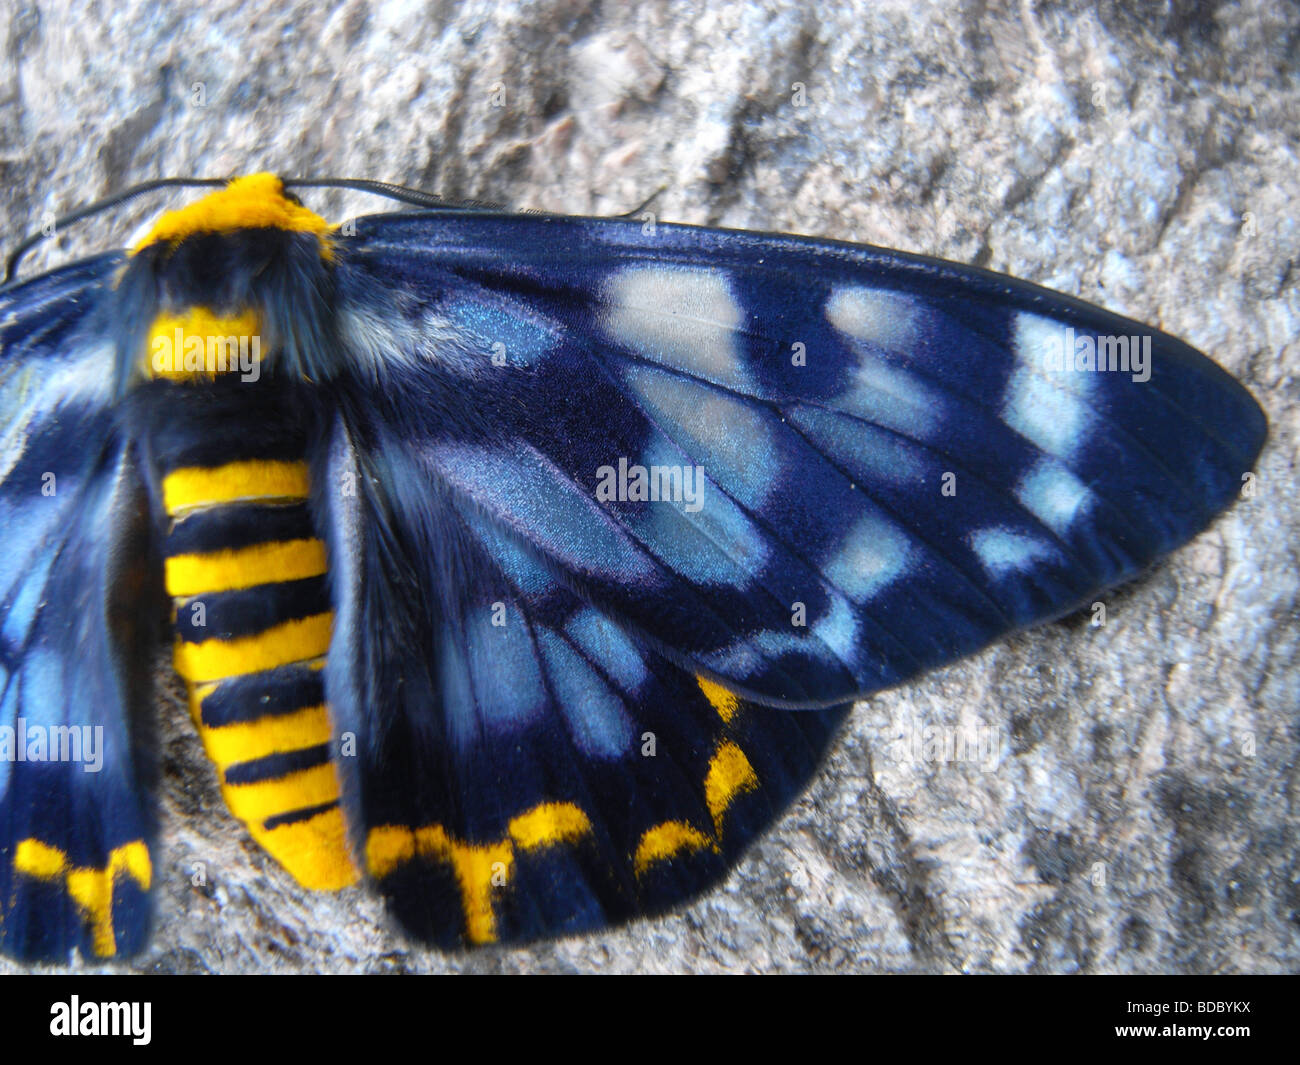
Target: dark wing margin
(76,825)
(522,766)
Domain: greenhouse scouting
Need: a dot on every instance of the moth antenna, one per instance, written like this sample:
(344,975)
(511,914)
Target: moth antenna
(644,203)
(401,193)
(118,198)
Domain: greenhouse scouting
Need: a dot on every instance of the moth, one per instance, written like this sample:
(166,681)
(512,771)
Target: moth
(524,566)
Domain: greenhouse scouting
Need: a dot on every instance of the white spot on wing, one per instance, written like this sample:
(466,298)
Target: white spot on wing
(874,553)
(682,317)
(1046,406)
(1002,552)
(1054,495)
(890,396)
(838,629)
(878,316)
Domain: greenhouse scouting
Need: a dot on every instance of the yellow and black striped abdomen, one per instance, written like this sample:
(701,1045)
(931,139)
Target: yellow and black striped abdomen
(248,581)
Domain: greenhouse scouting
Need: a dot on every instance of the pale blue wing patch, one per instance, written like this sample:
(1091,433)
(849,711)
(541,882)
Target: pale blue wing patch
(471,334)
(501,337)
(606,643)
(873,555)
(1046,404)
(881,317)
(521,568)
(1003,553)
(491,683)
(686,318)
(829,639)
(701,534)
(463,715)
(881,328)
(1054,495)
(26,561)
(890,396)
(733,439)
(865,450)
(598,721)
(544,506)
(839,630)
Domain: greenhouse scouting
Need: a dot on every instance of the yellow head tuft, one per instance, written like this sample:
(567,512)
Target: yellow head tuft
(257,201)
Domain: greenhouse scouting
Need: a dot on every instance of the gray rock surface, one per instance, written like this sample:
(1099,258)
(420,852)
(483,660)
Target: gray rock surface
(1136,809)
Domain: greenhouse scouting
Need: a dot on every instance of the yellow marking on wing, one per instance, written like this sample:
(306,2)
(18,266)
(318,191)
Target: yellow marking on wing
(299,790)
(476,869)
(667,840)
(724,702)
(169,348)
(256,201)
(203,486)
(247,740)
(549,824)
(388,847)
(280,645)
(93,892)
(38,859)
(479,868)
(90,888)
(729,775)
(244,567)
(313,851)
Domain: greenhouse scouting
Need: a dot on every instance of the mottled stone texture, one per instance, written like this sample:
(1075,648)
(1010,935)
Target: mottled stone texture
(1135,811)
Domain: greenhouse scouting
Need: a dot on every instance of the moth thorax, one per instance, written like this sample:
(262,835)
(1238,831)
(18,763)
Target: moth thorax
(199,344)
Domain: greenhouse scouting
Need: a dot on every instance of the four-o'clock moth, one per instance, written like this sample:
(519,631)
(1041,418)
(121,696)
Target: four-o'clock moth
(524,565)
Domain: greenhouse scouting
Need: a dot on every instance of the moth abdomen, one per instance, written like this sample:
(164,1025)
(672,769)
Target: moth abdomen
(247,576)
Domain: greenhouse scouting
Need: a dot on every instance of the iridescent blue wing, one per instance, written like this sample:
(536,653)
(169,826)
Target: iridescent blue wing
(609,484)
(75,867)
(523,766)
(892,460)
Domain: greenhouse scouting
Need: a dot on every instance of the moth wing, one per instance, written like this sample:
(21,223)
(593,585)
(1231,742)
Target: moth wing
(808,470)
(522,764)
(594,492)
(75,823)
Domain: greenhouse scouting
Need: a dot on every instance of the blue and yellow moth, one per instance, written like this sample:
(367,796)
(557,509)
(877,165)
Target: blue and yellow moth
(525,565)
